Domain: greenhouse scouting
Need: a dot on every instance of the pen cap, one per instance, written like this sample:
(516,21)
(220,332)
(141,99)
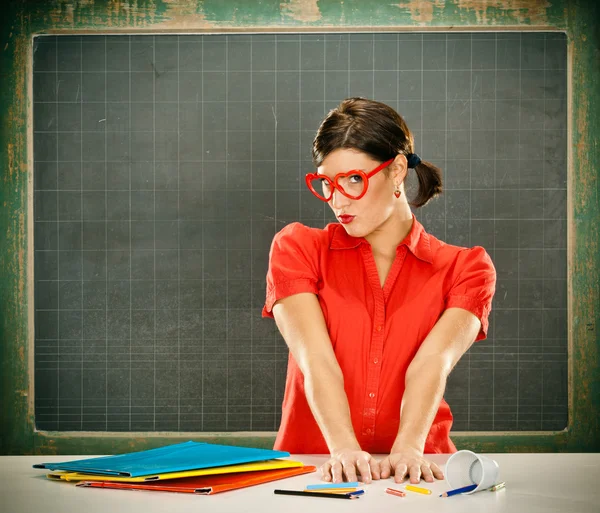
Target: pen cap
(465,468)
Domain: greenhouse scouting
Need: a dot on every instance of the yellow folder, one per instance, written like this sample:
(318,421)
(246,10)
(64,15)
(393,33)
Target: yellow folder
(243,467)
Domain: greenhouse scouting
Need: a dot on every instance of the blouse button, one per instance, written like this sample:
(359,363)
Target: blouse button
(376,361)
(379,328)
(367,431)
(371,395)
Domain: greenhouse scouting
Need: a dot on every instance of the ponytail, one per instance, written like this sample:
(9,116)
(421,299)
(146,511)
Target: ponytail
(430,183)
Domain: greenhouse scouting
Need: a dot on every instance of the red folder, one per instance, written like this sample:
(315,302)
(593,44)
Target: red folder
(206,485)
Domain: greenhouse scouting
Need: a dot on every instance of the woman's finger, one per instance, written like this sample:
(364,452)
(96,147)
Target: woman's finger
(415,473)
(326,471)
(400,472)
(349,468)
(375,469)
(362,463)
(437,471)
(427,473)
(336,472)
(385,468)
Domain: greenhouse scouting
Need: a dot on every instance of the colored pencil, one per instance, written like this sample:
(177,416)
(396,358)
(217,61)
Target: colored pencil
(418,489)
(398,493)
(356,493)
(497,487)
(352,484)
(316,494)
(458,491)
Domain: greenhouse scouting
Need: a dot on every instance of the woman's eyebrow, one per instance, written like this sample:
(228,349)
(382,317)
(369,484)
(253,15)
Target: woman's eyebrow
(349,171)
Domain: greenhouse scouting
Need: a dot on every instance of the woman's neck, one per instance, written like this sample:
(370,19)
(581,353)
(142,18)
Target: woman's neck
(385,239)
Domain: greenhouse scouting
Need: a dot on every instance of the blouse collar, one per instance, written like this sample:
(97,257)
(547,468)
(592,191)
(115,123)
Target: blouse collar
(417,241)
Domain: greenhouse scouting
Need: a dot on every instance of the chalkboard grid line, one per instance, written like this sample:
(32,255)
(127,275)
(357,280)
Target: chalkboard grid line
(106,231)
(275,113)
(252,283)
(287,70)
(81,206)
(543,240)
(160,131)
(324,95)
(470,180)
(373,67)
(493,320)
(58,244)
(153,221)
(203,153)
(130,253)
(546,218)
(226,233)
(300,123)
(192,102)
(518,227)
(110,161)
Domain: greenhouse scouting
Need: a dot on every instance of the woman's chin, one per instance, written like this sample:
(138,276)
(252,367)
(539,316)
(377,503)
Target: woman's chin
(354,230)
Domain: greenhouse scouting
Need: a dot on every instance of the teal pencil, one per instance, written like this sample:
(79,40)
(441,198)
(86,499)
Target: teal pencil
(351,484)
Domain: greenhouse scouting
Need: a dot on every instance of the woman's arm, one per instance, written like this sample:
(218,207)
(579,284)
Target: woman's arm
(300,320)
(425,382)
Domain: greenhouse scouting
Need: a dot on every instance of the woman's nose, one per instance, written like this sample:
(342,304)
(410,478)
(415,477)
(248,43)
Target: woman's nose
(338,200)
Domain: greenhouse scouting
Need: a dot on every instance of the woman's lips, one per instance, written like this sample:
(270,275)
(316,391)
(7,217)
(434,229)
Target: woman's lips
(346,219)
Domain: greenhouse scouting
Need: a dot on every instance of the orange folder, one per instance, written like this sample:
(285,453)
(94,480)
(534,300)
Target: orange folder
(206,485)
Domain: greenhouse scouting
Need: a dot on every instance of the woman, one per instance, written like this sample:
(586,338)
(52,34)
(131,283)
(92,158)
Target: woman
(375,311)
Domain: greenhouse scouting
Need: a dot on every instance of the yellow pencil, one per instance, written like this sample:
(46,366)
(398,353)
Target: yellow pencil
(418,489)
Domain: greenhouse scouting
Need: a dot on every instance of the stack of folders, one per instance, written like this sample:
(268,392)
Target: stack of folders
(189,467)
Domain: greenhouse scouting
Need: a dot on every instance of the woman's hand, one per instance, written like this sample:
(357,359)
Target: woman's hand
(409,463)
(347,464)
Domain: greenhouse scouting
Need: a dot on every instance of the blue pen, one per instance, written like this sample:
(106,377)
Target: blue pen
(464,489)
(329,486)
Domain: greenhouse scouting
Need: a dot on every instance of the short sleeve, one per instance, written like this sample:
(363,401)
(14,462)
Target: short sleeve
(293,264)
(474,286)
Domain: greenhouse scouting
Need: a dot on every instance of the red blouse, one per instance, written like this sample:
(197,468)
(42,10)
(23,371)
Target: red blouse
(375,331)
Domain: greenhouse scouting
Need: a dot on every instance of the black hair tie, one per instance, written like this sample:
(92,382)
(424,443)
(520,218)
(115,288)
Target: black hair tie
(413,160)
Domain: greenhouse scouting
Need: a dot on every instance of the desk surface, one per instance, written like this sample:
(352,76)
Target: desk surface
(534,483)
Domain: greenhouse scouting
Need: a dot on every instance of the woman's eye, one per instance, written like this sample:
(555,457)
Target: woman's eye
(355,179)
(324,183)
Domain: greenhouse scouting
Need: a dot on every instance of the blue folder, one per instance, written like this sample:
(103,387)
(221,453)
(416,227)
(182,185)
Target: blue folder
(171,458)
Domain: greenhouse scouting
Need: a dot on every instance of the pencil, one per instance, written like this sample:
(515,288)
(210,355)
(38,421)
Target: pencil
(351,484)
(457,491)
(497,487)
(418,489)
(398,493)
(316,494)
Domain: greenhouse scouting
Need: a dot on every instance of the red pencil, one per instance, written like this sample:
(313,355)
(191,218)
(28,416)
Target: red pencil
(397,493)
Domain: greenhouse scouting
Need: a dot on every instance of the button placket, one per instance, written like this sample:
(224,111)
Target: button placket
(376,350)
(376,346)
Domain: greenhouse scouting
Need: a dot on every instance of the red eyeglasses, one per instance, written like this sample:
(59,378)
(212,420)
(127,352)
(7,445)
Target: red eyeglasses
(352,184)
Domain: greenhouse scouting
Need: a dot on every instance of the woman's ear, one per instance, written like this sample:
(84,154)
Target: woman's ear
(399,168)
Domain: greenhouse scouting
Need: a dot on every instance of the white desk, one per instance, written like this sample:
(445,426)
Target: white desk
(561,483)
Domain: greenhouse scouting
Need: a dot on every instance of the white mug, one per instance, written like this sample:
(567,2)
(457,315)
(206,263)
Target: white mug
(465,468)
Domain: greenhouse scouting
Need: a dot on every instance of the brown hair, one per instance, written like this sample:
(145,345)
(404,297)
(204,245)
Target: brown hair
(379,131)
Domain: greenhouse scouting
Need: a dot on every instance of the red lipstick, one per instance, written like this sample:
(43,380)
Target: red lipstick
(346,219)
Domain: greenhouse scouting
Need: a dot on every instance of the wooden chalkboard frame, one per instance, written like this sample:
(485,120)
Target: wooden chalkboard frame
(20,22)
